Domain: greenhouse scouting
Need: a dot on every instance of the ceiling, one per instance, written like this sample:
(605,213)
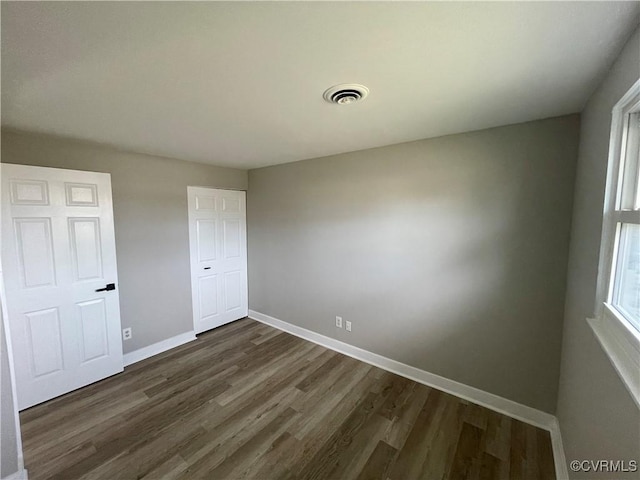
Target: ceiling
(240,83)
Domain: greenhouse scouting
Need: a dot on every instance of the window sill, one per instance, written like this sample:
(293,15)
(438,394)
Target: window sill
(621,343)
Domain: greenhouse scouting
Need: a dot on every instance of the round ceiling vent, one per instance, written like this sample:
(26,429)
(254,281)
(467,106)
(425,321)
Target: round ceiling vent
(346,93)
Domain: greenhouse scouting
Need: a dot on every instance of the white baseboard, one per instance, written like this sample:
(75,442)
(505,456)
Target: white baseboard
(489,400)
(19,475)
(558,452)
(156,348)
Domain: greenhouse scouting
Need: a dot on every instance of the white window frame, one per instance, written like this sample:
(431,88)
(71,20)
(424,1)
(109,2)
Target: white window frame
(618,337)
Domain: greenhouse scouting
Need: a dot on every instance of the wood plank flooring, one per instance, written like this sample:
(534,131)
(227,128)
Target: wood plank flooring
(248,401)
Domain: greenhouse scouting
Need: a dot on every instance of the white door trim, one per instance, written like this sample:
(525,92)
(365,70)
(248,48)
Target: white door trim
(218,256)
(21,473)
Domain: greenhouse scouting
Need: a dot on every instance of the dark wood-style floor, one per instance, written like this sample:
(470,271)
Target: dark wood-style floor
(248,401)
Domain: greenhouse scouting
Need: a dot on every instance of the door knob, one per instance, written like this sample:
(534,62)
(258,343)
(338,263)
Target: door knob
(107,288)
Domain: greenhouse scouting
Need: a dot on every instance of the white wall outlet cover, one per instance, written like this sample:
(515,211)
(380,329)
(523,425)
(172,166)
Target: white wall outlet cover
(339,322)
(348,326)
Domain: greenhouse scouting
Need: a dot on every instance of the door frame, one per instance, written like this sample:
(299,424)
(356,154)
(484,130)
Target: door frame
(8,346)
(191,190)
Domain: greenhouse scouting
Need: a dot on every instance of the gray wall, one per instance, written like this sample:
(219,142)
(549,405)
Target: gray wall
(151,224)
(447,254)
(9,451)
(598,418)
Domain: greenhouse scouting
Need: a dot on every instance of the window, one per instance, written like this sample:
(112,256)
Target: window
(617,322)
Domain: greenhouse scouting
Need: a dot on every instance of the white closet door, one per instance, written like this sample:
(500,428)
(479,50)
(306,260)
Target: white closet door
(59,257)
(218,243)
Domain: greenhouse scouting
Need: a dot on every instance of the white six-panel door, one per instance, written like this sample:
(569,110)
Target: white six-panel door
(218,244)
(58,251)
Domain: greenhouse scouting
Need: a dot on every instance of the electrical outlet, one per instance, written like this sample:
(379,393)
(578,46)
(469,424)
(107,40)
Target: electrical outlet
(348,325)
(339,322)
(126,333)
